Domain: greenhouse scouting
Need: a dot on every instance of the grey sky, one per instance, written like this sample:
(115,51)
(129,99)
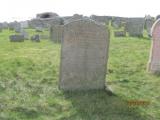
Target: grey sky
(11,10)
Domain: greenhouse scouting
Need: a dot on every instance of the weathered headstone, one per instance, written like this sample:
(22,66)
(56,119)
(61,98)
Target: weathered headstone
(15,26)
(16,38)
(154,61)
(35,38)
(148,24)
(56,33)
(134,26)
(84,55)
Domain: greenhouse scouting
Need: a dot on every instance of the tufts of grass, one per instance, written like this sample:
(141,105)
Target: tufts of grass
(29,83)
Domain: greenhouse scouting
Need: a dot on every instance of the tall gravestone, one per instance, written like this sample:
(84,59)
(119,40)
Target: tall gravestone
(84,55)
(135,26)
(154,61)
(56,33)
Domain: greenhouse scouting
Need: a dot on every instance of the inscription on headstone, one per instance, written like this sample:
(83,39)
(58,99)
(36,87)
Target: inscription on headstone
(84,55)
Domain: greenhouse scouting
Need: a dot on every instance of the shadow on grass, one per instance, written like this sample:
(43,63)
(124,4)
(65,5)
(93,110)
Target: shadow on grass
(98,105)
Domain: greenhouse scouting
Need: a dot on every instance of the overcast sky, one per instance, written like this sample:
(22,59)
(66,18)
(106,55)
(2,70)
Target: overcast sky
(11,10)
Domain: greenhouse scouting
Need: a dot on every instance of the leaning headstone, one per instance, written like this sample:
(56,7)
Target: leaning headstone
(134,26)
(35,38)
(56,33)
(84,55)
(16,38)
(119,33)
(154,61)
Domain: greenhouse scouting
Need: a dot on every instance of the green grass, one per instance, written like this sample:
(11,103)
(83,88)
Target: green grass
(29,83)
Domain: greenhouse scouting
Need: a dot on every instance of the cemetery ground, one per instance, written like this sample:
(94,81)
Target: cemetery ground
(29,83)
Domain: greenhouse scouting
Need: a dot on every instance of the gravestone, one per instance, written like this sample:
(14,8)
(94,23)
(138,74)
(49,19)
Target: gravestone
(154,61)
(56,33)
(16,38)
(84,55)
(119,33)
(25,34)
(148,23)
(134,26)
(35,38)
(15,26)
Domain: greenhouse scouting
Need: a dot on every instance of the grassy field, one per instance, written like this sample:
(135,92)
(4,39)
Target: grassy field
(29,83)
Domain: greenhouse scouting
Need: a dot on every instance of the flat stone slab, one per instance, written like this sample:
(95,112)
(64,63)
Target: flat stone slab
(35,38)
(84,56)
(16,38)
(120,34)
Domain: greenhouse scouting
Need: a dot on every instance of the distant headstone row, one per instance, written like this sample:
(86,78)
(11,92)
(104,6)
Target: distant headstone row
(134,26)
(21,38)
